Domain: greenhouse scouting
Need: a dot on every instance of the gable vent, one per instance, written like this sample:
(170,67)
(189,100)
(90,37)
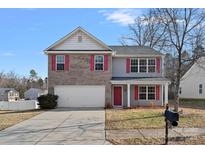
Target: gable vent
(80,38)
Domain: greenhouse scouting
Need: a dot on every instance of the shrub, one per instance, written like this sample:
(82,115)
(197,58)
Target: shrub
(48,101)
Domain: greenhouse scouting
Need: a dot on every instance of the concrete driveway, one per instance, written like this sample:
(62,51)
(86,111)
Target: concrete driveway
(59,126)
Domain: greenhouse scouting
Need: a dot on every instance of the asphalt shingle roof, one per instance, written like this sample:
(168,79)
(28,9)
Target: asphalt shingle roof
(132,50)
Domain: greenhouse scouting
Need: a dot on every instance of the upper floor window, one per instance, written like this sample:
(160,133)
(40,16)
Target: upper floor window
(99,62)
(60,62)
(134,65)
(143,66)
(151,65)
(200,88)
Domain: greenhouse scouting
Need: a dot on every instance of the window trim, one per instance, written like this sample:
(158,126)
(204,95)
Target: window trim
(135,65)
(60,63)
(155,70)
(147,65)
(98,62)
(147,93)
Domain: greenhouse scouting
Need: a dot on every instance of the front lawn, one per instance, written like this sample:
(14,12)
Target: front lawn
(10,118)
(198,140)
(190,103)
(150,118)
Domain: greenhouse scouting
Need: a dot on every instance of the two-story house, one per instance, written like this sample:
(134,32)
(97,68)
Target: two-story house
(85,72)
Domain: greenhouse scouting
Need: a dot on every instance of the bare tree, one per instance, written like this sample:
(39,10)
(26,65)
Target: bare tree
(147,31)
(183,28)
(175,31)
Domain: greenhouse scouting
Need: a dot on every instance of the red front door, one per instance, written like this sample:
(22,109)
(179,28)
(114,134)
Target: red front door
(117,96)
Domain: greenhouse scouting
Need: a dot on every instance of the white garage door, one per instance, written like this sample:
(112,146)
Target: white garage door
(80,96)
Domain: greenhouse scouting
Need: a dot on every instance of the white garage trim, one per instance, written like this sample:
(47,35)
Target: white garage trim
(80,95)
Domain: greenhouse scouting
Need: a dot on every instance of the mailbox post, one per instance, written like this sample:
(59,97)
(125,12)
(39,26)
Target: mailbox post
(171,118)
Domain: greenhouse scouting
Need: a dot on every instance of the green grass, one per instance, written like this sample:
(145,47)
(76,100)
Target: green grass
(150,118)
(192,103)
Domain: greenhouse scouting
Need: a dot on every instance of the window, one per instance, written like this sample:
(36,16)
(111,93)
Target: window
(147,93)
(134,65)
(180,90)
(60,61)
(143,65)
(151,93)
(99,62)
(142,93)
(200,88)
(151,65)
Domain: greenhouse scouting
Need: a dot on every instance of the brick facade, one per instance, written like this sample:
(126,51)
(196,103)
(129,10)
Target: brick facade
(79,74)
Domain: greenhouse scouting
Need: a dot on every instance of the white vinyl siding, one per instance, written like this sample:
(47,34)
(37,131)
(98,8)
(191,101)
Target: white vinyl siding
(73,43)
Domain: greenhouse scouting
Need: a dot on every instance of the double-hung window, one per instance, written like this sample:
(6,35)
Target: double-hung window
(143,65)
(134,65)
(200,88)
(60,62)
(142,93)
(99,62)
(147,93)
(151,93)
(151,65)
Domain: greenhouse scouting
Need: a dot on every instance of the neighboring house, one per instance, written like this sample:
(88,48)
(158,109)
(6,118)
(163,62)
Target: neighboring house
(33,93)
(9,94)
(192,84)
(85,72)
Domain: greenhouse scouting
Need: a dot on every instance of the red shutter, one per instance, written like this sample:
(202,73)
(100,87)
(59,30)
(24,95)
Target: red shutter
(67,62)
(136,92)
(91,62)
(128,65)
(105,62)
(158,64)
(53,62)
(157,92)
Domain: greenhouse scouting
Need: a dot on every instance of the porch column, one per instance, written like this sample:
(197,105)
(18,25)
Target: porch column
(128,95)
(166,93)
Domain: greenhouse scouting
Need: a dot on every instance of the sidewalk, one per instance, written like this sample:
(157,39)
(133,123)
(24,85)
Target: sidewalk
(155,133)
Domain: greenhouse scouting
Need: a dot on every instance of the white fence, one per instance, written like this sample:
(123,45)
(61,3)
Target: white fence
(19,105)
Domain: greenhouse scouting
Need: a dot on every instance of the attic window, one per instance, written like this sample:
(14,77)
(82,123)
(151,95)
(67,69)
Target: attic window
(80,38)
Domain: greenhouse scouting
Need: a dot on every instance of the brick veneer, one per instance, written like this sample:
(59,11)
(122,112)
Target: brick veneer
(79,74)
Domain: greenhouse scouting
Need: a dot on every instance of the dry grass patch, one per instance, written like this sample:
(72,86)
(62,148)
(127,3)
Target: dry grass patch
(10,118)
(198,140)
(150,118)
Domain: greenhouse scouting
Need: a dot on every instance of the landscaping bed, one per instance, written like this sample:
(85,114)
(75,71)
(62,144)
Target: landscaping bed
(10,118)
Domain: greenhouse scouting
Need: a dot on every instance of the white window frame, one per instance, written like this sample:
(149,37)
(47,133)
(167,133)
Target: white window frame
(147,93)
(60,62)
(99,62)
(142,65)
(151,65)
(134,65)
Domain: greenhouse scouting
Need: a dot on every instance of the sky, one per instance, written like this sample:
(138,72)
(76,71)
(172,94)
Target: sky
(25,33)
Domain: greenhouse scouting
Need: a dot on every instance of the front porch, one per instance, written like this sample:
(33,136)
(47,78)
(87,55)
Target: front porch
(128,93)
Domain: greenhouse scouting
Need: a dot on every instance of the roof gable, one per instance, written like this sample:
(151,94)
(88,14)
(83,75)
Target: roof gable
(198,68)
(71,42)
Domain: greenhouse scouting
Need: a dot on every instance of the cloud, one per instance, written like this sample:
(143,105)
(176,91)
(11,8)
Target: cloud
(123,17)
(9,54)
